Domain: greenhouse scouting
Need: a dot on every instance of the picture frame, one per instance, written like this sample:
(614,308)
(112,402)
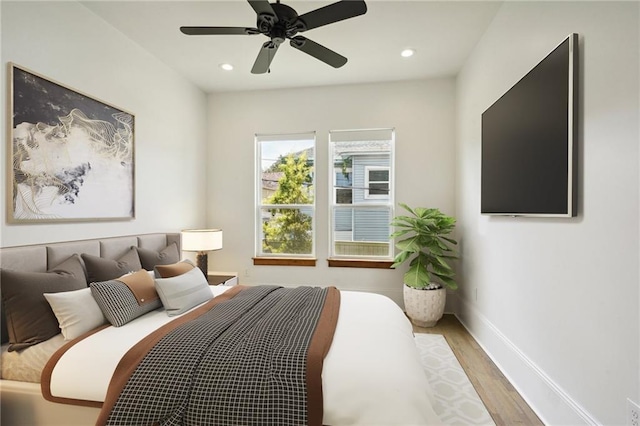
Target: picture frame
(70,155)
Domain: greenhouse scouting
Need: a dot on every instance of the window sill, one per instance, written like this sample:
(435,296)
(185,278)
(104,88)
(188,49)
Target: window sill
(284,261)
(359,263)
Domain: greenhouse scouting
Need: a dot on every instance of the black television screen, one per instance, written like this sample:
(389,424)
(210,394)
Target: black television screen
(529,141)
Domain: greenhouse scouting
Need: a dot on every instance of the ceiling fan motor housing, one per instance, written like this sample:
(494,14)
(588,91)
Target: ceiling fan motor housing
(285,24)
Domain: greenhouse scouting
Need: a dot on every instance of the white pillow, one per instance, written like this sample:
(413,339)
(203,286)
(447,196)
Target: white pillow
(183,292)
(77,312)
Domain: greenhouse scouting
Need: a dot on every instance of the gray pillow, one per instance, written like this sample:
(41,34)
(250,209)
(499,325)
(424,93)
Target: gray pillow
(100,269)
(30,319)
(118,302)
(151,258)
(183,292)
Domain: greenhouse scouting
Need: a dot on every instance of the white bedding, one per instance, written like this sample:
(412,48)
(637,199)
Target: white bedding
(26,365)
(372,374)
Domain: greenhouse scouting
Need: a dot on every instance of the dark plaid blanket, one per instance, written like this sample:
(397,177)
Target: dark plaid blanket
(255,359)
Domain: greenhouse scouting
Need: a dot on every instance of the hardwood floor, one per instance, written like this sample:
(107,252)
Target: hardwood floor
(503,402)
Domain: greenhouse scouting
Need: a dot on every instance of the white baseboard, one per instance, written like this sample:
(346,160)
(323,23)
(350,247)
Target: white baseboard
(548,400)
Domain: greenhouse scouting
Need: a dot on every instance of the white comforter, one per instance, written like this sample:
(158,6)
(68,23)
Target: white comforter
(371,375)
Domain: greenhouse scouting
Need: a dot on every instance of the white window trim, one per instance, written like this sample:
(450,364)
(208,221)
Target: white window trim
(259,206)
(390,199)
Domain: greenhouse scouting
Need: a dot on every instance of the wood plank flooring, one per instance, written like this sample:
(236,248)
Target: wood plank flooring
(503,402)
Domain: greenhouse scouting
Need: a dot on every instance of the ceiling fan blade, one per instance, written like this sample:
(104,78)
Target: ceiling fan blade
(219,31)
(318,51)
(263,7)
(265,56)
(335,12)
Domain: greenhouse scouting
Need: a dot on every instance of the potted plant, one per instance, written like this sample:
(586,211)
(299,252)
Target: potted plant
(428,250)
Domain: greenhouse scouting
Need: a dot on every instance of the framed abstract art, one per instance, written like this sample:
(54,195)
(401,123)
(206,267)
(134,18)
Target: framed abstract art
(71,156)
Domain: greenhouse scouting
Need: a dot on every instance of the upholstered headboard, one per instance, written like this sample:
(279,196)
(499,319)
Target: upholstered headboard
(41,257)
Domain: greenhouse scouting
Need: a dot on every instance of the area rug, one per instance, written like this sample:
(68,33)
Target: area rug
(456,401)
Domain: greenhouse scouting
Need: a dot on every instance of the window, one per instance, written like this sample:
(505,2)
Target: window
(362,194)
(285,194)
(344,190)
(376,183)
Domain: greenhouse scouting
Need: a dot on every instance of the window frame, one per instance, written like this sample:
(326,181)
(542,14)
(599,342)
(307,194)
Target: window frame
(387,202)
(294,259)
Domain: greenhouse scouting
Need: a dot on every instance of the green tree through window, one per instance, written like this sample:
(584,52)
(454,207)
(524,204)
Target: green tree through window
(290,229)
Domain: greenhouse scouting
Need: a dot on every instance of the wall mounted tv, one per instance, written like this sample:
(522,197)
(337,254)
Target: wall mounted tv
(529,141)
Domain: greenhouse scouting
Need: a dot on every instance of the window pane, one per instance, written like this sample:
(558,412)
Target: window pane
(287,231)
(287,169)
(344,196)
(371,224)
(362,231)
(343,224)
(379,175)
(362,205)
(378,188)
(285,196)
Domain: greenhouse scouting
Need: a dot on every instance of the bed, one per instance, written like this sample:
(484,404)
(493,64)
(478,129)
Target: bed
(371,373)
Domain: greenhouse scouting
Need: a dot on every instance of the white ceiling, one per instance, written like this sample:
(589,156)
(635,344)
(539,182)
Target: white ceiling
(443,33)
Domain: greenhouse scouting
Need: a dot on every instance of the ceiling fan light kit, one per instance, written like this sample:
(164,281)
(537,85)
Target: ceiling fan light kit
(280,22)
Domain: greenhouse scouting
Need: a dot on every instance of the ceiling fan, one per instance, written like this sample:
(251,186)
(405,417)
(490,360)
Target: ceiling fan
(280,22)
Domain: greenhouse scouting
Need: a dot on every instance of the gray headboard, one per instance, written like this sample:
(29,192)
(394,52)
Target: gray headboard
(41,257)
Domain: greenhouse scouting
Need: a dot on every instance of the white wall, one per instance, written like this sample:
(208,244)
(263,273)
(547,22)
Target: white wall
(422,112)
(69,44)
(557,299)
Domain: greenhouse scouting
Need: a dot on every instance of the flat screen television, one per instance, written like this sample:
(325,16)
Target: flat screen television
(529,141)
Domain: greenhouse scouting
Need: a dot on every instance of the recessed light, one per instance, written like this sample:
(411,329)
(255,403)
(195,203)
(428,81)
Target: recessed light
(226,67)
(407,53)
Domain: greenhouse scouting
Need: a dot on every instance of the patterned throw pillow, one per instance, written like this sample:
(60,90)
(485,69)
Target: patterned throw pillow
(122,302)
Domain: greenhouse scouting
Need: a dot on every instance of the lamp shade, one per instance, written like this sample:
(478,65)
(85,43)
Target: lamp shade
(201,239)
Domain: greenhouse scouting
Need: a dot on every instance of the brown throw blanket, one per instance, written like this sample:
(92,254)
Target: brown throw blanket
(253,359)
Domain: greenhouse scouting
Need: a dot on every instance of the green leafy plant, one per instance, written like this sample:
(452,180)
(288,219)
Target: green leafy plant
(426,247)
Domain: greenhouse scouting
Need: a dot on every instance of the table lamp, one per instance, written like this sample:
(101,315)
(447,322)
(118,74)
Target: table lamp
(202,241)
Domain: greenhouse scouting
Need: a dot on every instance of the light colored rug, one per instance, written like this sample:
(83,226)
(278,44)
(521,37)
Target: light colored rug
(456,401)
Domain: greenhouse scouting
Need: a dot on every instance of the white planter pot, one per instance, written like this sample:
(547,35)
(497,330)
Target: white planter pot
(424,307)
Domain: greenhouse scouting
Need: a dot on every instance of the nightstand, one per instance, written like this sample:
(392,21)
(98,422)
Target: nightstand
(222,278)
